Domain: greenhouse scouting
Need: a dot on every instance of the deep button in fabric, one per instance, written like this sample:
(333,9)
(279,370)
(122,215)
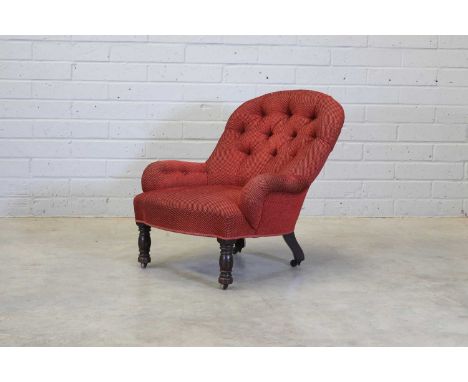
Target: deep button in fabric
(294,134)
(274,152)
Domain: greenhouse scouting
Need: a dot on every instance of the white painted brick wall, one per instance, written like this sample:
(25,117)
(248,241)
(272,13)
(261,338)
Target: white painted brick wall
(81,116)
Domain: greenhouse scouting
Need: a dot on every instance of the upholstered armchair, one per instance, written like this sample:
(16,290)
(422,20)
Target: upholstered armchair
(253,184)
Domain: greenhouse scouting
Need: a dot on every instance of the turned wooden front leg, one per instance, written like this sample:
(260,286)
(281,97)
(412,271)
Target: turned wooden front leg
(144,244)
(225,262)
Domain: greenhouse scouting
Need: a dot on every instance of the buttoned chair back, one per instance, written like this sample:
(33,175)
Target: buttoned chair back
(286,132)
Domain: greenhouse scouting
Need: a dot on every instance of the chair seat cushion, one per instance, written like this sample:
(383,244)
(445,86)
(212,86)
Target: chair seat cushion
(208,210)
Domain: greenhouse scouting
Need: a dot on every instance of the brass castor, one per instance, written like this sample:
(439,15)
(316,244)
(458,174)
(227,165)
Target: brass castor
(143,265)
(225,286)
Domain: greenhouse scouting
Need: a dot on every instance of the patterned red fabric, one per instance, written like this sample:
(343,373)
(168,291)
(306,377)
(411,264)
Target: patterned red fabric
(256,179)
(173,173)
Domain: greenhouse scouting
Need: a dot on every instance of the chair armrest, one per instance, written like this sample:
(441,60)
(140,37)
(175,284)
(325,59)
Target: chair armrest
(255,192)
(173,173)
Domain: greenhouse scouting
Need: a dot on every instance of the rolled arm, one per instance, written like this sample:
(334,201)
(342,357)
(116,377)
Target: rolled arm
(173,173)
(255,192)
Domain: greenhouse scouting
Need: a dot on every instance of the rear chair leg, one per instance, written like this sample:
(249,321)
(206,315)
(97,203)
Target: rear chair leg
(226,262)
(296,249)
(144,244)
(240,243)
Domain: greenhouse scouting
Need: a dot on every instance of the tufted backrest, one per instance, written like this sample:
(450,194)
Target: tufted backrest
(286,132)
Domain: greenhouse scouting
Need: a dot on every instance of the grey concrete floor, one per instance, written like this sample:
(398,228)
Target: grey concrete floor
(365,282)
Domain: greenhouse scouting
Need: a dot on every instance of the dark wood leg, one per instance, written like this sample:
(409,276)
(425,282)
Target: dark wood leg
(296,249)
(240,243)
(225,262)
(144,244)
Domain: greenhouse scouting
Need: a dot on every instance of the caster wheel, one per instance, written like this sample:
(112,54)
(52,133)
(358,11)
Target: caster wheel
(294,262)
(225,286)
(143,265)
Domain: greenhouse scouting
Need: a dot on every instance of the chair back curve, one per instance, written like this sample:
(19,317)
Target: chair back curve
(285,132)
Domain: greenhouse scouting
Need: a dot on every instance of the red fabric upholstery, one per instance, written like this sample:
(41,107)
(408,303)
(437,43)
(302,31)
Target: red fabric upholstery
(256,179)
(256,191)
(173,173)
(209,210)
